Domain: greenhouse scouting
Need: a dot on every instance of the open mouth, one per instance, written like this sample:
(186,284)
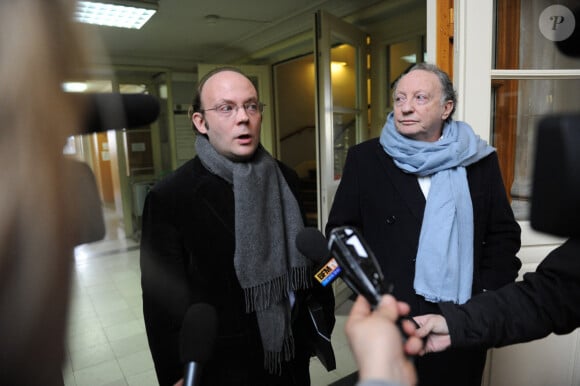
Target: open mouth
(244,138)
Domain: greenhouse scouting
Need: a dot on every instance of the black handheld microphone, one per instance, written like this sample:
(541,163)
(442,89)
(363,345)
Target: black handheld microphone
(361,271)
(349,258)
(198,334)
(114,111)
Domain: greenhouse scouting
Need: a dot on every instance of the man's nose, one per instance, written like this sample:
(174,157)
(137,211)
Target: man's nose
(242,114)
(407,106)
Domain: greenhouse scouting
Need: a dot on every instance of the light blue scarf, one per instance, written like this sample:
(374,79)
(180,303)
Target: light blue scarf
(444,265)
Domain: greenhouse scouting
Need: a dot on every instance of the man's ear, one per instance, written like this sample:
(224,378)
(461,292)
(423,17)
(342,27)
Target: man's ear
(199,122)
(448,108)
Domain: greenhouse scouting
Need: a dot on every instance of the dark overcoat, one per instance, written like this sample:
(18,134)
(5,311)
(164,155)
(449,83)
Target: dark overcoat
(187,251)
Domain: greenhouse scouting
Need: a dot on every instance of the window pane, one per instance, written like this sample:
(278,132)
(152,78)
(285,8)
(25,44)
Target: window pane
(401,56)
(344,133)
(343,76)
(528,101)
(345,115)
(529,32)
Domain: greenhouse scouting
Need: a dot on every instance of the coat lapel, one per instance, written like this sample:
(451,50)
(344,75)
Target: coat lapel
(406,184)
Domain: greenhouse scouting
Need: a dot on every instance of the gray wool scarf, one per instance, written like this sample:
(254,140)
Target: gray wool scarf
(267,263)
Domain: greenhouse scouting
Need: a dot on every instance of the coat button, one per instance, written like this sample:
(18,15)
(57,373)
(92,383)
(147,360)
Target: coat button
(391,220)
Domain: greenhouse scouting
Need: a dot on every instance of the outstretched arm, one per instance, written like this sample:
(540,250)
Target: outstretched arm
(545,302)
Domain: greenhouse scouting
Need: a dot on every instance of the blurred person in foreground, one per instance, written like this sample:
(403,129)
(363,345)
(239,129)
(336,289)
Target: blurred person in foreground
(40,48)
(221,230)
(546,301)
(376,342)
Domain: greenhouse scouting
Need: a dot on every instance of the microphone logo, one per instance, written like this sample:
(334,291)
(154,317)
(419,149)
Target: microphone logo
(328,272)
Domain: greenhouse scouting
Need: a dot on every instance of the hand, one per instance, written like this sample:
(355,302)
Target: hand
(179,383)
(376,341)
(435,331)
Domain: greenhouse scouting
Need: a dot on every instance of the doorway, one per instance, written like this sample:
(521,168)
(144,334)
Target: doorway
(126,163)
(299,116)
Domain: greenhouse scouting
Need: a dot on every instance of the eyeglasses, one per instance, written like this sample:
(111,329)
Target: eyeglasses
(227,109)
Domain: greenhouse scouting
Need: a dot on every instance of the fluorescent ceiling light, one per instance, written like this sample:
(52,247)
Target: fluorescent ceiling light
(124,14)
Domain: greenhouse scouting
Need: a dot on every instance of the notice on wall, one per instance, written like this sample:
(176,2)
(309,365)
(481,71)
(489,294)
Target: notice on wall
(138,146)
(184,140)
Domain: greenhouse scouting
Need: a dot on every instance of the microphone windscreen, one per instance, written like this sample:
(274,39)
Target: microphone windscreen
(198,333)
(113,111)
(312,244)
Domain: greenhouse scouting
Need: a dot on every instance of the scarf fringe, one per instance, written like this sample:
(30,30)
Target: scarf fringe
(273,360)
(261,297)
(301,278)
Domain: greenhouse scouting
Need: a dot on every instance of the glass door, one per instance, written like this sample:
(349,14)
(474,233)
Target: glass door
(341,100)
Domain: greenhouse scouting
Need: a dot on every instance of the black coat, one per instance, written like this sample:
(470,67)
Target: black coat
(387,206)
(187,251)
(546,301)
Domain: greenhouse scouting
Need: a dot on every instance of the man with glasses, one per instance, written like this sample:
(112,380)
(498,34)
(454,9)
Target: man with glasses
(221,230)
(429,199)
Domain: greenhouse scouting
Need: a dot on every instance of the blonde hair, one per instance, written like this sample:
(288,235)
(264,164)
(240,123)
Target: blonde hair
(40,47)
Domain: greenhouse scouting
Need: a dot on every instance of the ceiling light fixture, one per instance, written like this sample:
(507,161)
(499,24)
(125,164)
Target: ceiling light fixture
(116,13)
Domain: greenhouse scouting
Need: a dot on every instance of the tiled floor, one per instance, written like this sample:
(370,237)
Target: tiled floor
(107,343)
